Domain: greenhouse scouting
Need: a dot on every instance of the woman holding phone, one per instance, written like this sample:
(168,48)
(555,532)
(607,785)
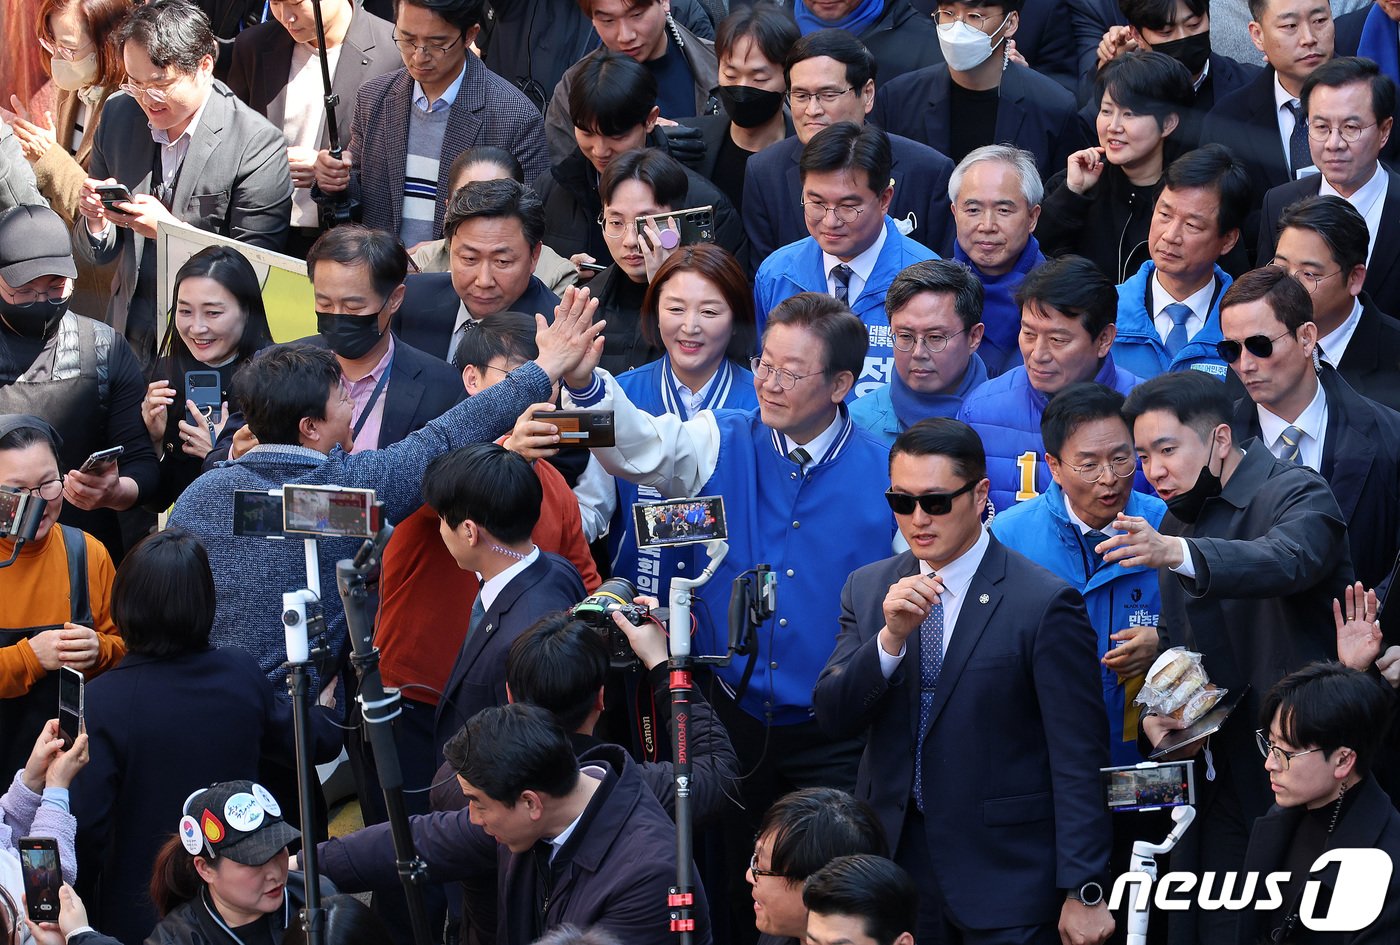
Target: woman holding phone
(216,325)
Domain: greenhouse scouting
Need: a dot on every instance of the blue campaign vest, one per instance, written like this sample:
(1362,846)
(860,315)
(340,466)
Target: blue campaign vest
(653,388)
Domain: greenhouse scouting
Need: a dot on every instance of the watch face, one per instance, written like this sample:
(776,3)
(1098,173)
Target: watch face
(1091,894)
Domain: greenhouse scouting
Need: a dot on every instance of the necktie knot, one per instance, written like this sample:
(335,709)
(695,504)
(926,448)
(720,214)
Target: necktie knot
(1292,444)
(800,456)
(841,275)
(1177,337)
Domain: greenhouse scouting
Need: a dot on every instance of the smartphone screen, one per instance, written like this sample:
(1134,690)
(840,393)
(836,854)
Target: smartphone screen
(70,704)
(339,513)
(679,521)
(1148,786)
(257,514)
(38,861)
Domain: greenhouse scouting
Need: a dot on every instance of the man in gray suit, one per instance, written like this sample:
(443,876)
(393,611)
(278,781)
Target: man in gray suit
(277,71)
(208,161)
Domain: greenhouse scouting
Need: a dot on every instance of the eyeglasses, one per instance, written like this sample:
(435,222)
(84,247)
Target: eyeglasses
(616,226)
(935,343)
(753,868)
(825,96)
(816,211)
(787,380)
(1261,346)
(933,503)
(48,490)
(431,50)
(973,19)
(1350,131)
(1284,758)
(1121,468)
(66,52)
(31,296)
(1306,279)
(157,93)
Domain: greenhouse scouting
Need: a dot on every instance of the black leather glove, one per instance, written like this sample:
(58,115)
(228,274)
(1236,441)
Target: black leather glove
(685,144)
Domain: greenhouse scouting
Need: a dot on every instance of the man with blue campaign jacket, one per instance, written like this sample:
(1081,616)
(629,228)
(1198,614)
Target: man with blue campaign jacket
(1169,310)
(854,250)
(1067,311)
(1089,450)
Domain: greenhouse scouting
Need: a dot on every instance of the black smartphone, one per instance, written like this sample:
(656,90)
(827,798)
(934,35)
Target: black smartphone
(101,458)
(205,390)
(257,514)
(70,704)
(695,225)
(1148,786)
(111,194)
(38,863)
(581,428)
(591,267)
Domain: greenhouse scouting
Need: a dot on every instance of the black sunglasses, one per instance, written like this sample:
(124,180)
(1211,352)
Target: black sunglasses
(933,503)
(1259,345)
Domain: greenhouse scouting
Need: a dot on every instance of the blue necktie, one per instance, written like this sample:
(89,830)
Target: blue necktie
(930,665)
(1299,153)
(478,615)
(841,276)
(1177,338)
(1292,445)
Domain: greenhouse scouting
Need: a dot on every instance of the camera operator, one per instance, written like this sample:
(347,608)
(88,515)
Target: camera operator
(296,405)
(573,840)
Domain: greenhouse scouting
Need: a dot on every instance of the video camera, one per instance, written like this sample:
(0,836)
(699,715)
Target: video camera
(613,596)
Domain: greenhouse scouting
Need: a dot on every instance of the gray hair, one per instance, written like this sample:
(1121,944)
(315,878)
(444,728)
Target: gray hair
(1023,161)
(573,935)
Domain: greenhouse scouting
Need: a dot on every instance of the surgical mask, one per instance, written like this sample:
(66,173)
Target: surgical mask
(72,76)
(1187,506)
(35,320)
(349,336)
(1193,52)
(965,48)
(747,106)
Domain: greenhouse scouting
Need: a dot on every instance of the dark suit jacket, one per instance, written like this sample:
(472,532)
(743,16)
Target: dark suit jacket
(1383,271)
(1361,462)
(234,182)
(430,307)
(714,130)
(773,196)
(262,57)
(1014,811)
(478,679)
(1371,364)
(1346,31)
(1035,113)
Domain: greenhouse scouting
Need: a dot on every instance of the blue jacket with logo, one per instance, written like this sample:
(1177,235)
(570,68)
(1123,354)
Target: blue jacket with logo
(1139,348)
(1006,414)
(797,267)
(1115,597)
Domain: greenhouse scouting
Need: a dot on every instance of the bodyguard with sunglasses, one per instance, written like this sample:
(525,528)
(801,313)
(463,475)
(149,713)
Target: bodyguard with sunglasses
(971,671)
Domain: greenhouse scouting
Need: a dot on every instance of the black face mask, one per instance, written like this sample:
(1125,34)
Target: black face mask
(1186,506)
(349,336)
(35,320)
(1193,52)
(749,107)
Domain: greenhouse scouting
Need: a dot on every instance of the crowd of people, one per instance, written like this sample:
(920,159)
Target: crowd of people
(1014,343)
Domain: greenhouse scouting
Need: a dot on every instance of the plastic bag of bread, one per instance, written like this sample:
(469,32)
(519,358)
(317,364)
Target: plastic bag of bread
(1177,685)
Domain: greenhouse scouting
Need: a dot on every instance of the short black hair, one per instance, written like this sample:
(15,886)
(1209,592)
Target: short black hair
(354,245)
(495,200)
(944,436)
(871,888)
(1345,70)
(1213,167)
(488,484)
(611,93)
(843,335)
(811,827)
(1074,287)
(462,14)
(833,44)
(848,146)
(1158,15)
(771,28)
(1329,706)
(506,750)
(1075,406)
(1340,225)
(501,334)
(173,33)
(1194,398)
(940,276)
(283,384)
(1289,301)
(1149,83)
(487,154)
(163,598)
(559,664)
(651,166)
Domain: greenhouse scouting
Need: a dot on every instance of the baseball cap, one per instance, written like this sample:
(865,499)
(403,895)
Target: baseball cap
(237,819)
(34,242)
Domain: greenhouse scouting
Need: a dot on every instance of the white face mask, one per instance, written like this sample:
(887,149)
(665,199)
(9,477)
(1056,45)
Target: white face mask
(74,76)
(965,48)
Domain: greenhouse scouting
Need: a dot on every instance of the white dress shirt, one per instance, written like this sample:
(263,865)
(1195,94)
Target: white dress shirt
(1368,200)
(1312,421)
(1334,343)
(957,577)
(817,446)
(1198,302)
(491,589)
(861,268)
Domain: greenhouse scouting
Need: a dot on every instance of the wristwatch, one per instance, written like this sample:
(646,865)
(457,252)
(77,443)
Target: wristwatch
(1090,894)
